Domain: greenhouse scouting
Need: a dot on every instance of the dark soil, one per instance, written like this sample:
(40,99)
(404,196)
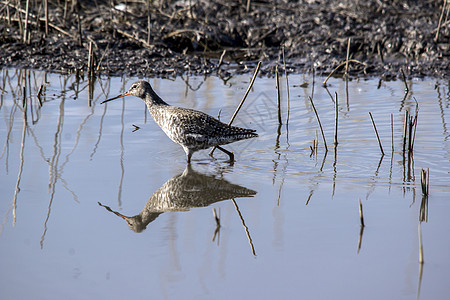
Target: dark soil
(190,36)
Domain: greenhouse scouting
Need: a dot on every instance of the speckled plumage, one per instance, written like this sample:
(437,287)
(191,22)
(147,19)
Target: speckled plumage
(192,129)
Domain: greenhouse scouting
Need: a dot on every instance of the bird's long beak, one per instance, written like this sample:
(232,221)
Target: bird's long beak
(110,99)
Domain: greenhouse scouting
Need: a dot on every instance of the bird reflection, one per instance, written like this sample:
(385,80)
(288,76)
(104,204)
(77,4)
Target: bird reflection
(182,192)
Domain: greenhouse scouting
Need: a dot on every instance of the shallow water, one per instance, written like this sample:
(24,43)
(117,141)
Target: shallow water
(290,224)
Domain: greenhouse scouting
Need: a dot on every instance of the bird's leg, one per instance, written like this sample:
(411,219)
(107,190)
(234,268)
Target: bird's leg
(230,154)
(188,154)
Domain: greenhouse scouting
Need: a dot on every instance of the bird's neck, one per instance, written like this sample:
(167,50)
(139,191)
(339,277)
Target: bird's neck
(153,99)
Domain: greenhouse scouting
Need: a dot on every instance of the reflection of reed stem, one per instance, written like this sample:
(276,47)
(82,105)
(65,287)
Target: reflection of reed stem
(392,133)
(54,166)
(19,176)
(421,261)
(217,231)
(361,215)
(245,227)
(361,232)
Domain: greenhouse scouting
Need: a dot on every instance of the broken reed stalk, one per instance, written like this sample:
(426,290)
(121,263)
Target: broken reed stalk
(376,132)
(278,96)
(404,81)
(242,101)
(340,65)
(409,130)
(421,261)
(287,88)
(361,215)
(425,181)
(335,119)
(320,124)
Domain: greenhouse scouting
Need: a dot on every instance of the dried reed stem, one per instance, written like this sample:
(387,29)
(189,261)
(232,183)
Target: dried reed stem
(404,81)
(287,88)
(25,32)
(39,94)
(221,59)
(340,65)
(246,93)
(335,119)
(320,124)
(278,96)
(242,101)
(46,16)
(405,129)
(90,61)
(348,55)
(425,181)
(376,132)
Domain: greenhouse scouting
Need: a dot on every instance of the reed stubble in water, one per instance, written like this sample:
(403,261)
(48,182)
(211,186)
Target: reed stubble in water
(320,124)
(278,96)
(376,132)
(335,119)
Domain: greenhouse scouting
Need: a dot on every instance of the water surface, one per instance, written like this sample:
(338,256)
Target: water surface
(290,226)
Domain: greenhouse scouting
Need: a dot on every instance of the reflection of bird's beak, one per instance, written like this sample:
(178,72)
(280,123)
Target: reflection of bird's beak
(107,207)
(110,99)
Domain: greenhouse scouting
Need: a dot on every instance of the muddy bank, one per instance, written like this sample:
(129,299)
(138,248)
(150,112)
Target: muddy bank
(168,38)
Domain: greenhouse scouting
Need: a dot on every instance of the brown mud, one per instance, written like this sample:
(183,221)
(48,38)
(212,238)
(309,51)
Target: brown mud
(169,38)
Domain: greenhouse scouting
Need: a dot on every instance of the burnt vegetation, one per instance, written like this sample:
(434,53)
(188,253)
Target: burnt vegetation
(166,38)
